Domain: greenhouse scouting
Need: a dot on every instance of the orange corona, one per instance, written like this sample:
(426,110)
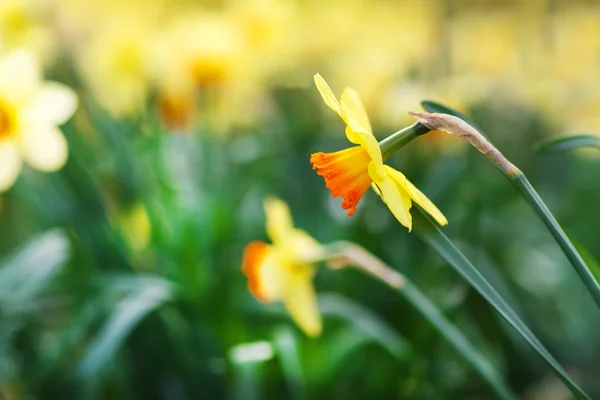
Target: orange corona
(254,255)
(345,173)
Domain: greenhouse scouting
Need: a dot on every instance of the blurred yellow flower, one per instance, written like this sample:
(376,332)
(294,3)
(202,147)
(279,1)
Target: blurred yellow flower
(282,271)
(30,111)
(116,64)
(21,25)
(349,173)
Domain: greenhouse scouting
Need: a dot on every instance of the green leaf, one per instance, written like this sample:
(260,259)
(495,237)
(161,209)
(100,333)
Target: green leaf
(589,259)
(285,342)
(127,313)
(520,181)
(456,338)
(30,268)
(432,235)
(557,145)
(365,321)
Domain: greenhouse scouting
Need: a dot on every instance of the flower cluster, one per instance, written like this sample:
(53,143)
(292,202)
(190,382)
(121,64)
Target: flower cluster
(283,271)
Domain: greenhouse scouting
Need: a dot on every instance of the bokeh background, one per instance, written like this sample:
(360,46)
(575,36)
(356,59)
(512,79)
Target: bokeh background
(120,274)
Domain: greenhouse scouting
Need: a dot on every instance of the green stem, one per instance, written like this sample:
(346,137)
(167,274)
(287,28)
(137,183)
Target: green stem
(392,143)
(451,121)
(557,232)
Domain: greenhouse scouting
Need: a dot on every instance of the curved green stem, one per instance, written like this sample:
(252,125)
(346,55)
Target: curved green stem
(557,232)
(395,141)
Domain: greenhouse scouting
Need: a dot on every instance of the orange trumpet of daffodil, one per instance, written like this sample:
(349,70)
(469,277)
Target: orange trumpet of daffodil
(283,270)
(349,173)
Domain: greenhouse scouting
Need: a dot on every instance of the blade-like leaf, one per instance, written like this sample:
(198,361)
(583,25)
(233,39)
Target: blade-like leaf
(125,317)
(365,321)
(286,348)
(432,235)
(520,181)
(557,145)
(27,271)
(456,338)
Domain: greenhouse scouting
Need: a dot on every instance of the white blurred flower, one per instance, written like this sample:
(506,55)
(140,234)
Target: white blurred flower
(30,111)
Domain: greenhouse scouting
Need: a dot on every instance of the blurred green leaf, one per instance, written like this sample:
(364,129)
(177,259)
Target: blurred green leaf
(456,338)
(557,145)
(432,234)
(30,268)
(365,321)
(127,313)
(285,342)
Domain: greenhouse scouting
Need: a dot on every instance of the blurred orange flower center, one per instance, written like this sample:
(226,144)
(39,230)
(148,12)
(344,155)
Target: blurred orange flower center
(346,174)
(7,121)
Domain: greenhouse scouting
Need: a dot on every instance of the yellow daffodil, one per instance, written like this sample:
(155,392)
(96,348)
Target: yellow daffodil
(30,110)
(350,172)
(282,271)
(116,64)
(22,25)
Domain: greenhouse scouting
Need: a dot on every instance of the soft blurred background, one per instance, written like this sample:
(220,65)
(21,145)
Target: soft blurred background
(120,274)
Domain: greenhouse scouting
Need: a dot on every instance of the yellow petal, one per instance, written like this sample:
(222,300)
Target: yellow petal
(369,143)
(301,302)
(327,94)
(426,204)
(44,149)
(416,195)
(353,108)
(397,199)
(53,104)
(279,220)
(10,164)
(19,76)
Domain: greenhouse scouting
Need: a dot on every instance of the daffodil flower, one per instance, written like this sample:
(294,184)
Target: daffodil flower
(30,110)
(282,271)
(349,173)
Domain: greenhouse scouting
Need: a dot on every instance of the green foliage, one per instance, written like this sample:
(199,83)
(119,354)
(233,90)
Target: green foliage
(98,314)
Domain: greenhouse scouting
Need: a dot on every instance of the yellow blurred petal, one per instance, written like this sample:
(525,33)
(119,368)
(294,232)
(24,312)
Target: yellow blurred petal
(10,164)
(53,104)
(279,220)
(44,149)
(301,302)
(266,275)
(353,108)
(303,246)
(19,76)
(426,204)
(327,94)
(397,199)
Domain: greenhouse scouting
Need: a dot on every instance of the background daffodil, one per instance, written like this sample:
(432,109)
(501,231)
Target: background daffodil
(282,270)
(30,111)
(350,172)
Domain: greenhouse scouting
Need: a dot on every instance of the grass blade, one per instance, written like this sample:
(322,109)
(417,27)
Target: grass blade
(125,317)
(432,235)
(558,145)
(285,343)
(365,321)
(373,266)
(456,339)
(27,272)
